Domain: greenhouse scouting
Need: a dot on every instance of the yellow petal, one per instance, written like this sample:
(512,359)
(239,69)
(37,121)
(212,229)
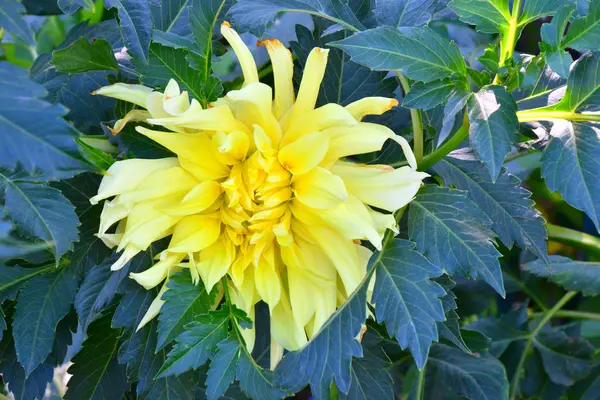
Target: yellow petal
(284,329)
(154,308)
(283,71)
(161,183)
(242,52)
(194,233)
(218,118)
(131,116)
(124,176)
(129,252)
(314,71)
(215,261)
(381,186)
(370,106)
(319,188)
(325,305)
(301,296)
(174,101)
(135,94)
(111,213)
(201,197)
(232,147)
(305,153)
(154,275)
(268,285)
(328,116)
(383,222)
(145,225)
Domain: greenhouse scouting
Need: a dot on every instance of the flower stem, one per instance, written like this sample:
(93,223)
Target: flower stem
(547,317)
(415,116)
(574,238)
(571,315)
(535,115)
(445,148)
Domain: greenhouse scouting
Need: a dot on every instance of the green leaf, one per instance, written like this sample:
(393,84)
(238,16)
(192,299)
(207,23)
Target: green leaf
(587,388)
(490,58)
(82,56)
(135,24)
(407,300)
(12,246)
(399,13)
(97,291)
(450,328)
(96,372)
(453,113)
(70,6)
(506,203)
(504,330)
(425,96)
(12,278)
(34,134)
(565,359)
(571,163)
(584,32)
(541,86)
(166,63)
(534,9)
(171,16)
(204,15)
(256,15)
(40,212)
(418,52)
(43,302)
(194,346)
(13,22)
(255,381)
(581,276)
(560,62)
(553,32)
(328,355)
(493,126)
(475,377)
(96,157)
(489,16)
(345,81)
(184,301)
(222,369)
(583,85)
(452,232)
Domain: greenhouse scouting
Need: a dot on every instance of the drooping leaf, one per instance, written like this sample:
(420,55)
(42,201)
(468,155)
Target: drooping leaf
(83,56)
(506,203)
(171,16)
(96,372)
(418,52)
(345,81)
(570,274)
(584,32)
(183,302)
(452,370)
(135,24)
(565,359)
(328,355)
(166,63)
(42,303)
(404,12)
(34,134)
(198,343)
(428,95)
(493,126)
(13,22)
(407,300)
(452,232)
(98,289)
(256,15)
(41,212)
(574,152)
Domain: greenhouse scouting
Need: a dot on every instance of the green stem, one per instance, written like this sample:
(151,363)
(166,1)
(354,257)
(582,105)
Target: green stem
(535,115)
(34,272)
(421,384)
(573,238)
(511,38)
(445,148)
(547,317)
(2,32)
(571,315)
(415,116)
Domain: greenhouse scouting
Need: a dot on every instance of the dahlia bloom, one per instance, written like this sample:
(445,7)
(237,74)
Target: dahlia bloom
(259,196)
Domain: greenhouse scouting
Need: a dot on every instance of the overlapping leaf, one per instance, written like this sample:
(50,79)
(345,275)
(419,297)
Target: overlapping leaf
(572,275)
(404,12)
(135,24)
(83,56)
(428,95)
(13,22)
(171,16)
(452,232)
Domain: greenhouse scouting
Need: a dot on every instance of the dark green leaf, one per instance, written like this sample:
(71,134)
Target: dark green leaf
(536,382)
(428,95)
(490,58)
(399,13)
(583,85)
(41,212)
(572,275)
(166,63)
(418,52)
(96,372)
(407,301)
(489,16)
(534,9)
(453,113)
(588,388)
(12,278)
(194,346)
(541,86)
(255,381)
(43,302)
(452,232)
(184,301)
(506,203)
(553,32)
(560,62)
(171,16)
(256,15)
(83,56)
(570,166)
(584,32)
(504,330)
(222,369)
(565,359)
(450,328)
(34,133)
(135,24)
(70,6)
(13,22)
(494,126)
(96,157)
(345,81)
(476,378)
(328,355)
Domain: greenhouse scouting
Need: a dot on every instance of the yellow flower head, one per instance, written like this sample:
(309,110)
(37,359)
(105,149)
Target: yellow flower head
(259,196)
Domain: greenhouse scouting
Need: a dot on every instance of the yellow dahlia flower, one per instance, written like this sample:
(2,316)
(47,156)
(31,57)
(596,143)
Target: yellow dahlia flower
(259,192)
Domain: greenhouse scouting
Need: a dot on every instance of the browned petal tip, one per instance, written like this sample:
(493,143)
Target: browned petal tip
(225,23)
(394,103)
